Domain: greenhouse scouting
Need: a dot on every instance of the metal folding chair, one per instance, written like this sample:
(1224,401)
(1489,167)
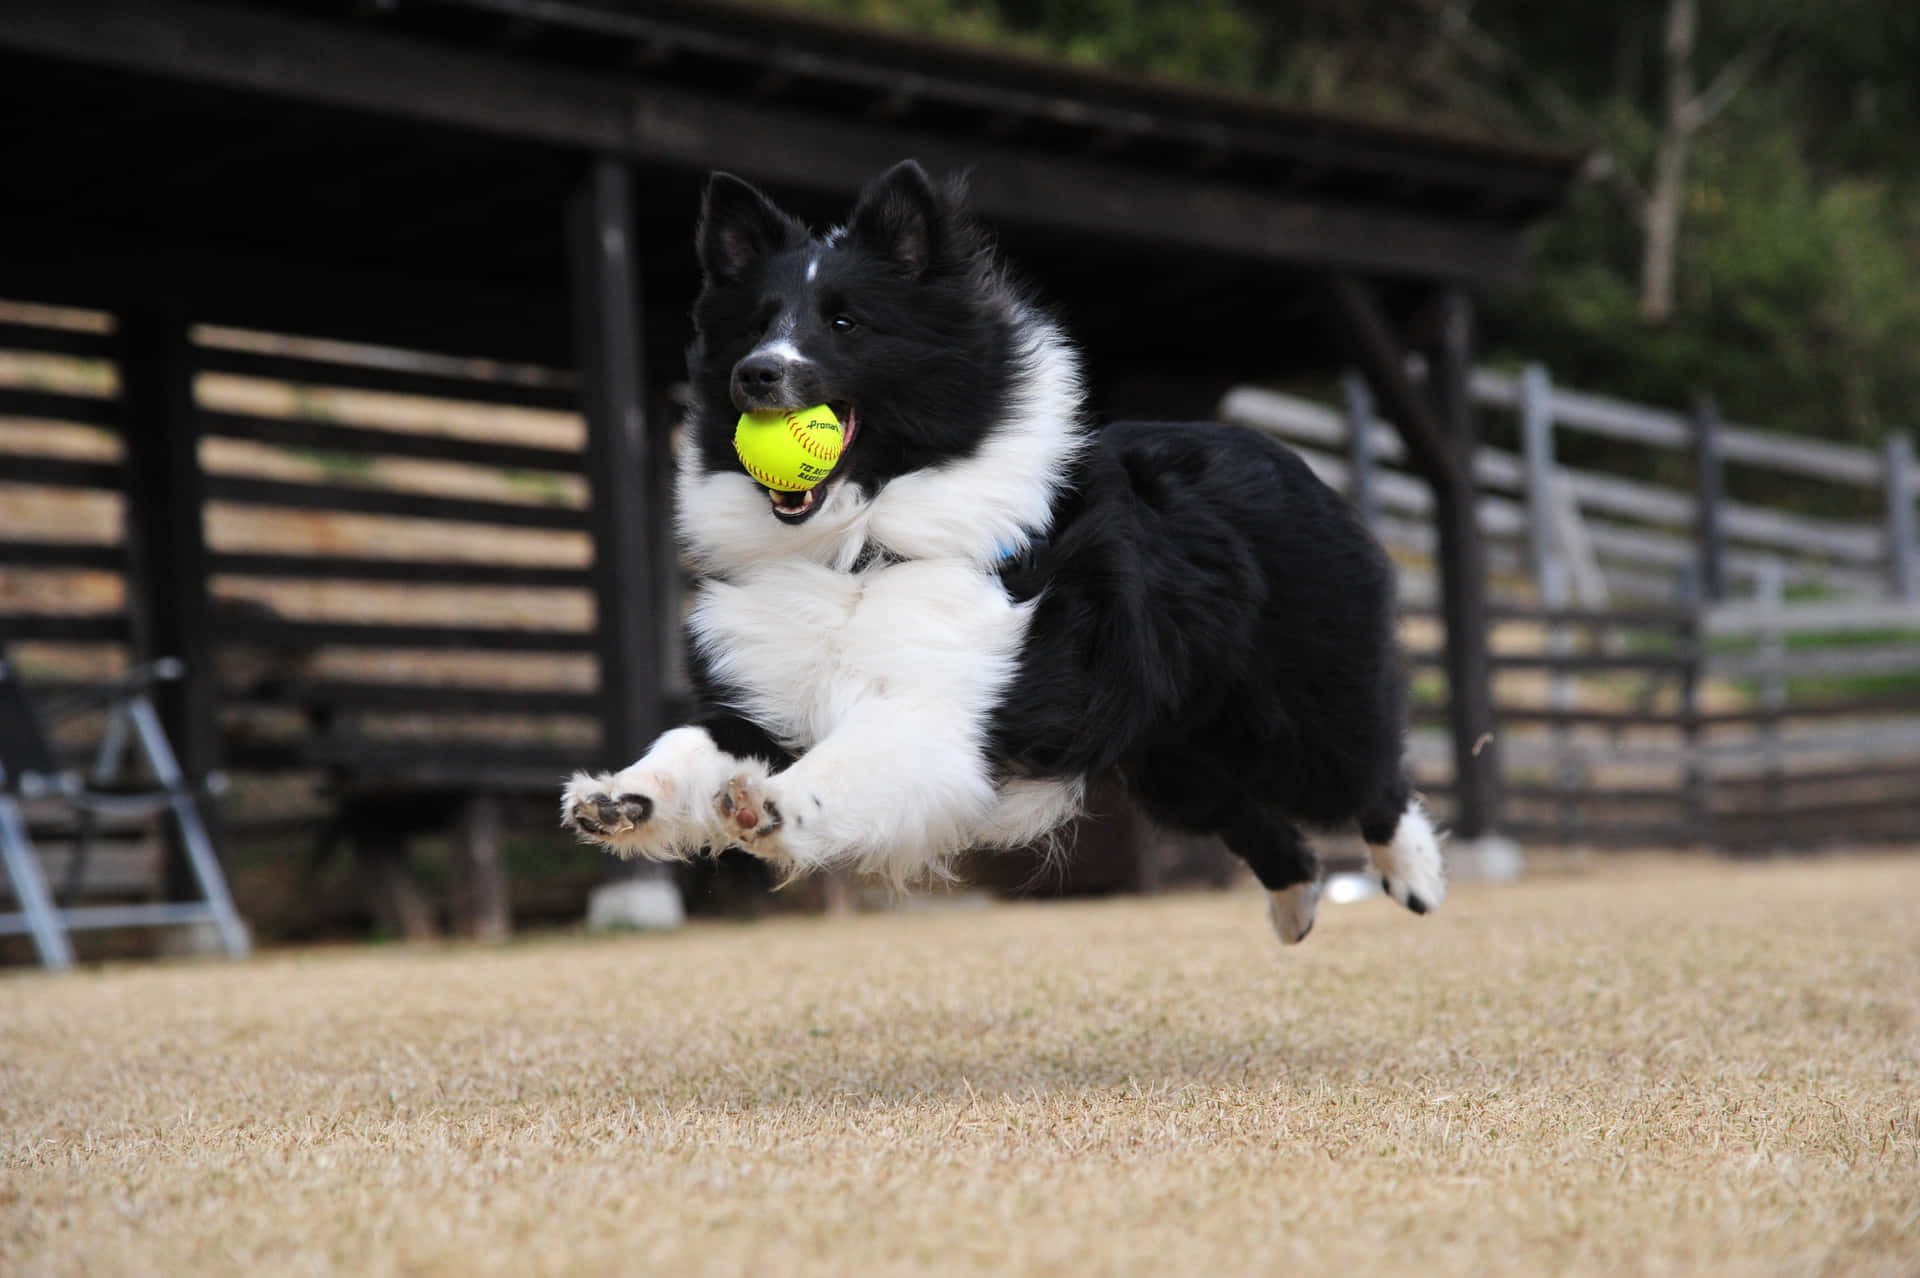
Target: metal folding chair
(30,770)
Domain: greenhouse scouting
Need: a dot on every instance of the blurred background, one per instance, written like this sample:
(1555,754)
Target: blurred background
(340,344)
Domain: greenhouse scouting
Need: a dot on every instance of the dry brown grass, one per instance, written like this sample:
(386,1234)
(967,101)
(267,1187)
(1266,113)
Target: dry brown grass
(1658,1068)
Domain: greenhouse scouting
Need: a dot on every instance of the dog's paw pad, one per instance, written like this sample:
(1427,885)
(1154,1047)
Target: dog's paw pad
(746,811)
(595,808)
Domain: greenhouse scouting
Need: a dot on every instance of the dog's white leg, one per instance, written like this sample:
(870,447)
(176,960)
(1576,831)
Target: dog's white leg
(660,807)
(1409,863)
(897,788)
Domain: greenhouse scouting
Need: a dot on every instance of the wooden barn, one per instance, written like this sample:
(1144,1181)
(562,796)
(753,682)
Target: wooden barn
(373,311)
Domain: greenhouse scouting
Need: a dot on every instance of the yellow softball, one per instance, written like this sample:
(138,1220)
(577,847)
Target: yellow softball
(791,451)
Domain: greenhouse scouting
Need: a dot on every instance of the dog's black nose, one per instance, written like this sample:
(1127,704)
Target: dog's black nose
(763,380)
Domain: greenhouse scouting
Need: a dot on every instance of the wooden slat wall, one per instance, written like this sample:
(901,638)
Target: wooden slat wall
(389,586)
(62,487)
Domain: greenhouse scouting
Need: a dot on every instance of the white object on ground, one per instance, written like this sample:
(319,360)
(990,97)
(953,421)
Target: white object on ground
(644,905)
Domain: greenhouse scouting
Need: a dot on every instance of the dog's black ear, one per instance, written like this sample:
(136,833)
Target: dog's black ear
(901,217)
(738,227)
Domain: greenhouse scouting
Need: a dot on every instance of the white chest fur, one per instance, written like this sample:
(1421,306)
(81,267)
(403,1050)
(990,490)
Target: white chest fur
(805,647)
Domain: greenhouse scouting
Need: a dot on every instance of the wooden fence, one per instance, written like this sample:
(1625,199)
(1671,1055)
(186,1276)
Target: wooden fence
(1670,666)
(1602,530)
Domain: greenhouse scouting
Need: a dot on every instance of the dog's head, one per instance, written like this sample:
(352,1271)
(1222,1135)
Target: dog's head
(898,320)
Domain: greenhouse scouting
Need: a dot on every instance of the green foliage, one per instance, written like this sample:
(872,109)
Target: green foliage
(1798,280)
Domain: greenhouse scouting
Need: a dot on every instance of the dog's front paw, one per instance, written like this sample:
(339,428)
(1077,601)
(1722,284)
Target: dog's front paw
(601,810)
(750,814)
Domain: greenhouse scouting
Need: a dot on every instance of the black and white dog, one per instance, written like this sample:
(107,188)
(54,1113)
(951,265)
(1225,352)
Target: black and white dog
(989,602)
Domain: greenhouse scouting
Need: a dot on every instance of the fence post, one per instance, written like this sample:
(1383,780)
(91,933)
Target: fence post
(1536,435)
(1903,554)
(1697,782)
(1710,490)
(1362,487)
(1770,590)
(1550,578)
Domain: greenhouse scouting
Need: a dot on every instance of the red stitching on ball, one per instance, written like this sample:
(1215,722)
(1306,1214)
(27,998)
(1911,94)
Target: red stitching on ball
(763,476)
(804,438)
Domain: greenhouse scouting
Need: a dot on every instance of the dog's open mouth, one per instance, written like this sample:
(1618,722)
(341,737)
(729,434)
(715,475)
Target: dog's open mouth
(792,508)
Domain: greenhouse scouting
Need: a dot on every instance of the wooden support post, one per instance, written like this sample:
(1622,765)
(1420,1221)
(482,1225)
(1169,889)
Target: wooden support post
(1440,439)
(1696,779)
(607,341)
(1710,488)
(1476,748)
(483,908)
(1903,547)
(171,610)
(1363,487)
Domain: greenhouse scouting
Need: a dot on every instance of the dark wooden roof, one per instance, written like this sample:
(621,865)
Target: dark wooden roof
(295,155)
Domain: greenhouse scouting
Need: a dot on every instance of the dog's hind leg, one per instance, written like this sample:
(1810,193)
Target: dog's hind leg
(1286,865)
(1405,849)
(1182,788)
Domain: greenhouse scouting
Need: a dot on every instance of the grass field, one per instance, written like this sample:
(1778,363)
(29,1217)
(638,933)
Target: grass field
(1657,1067)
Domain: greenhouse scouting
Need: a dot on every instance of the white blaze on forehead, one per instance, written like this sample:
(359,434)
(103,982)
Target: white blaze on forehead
(813,267)
(781,349)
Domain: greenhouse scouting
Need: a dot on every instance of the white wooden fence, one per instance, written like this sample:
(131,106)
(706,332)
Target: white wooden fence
(1593,532)
(1670,665)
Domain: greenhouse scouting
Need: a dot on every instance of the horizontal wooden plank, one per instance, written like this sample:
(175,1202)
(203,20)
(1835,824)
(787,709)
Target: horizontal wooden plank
(46,627)
(1791,811)
(1618,419)
(42,340)
(1571,663)
(317,634)
(62,554)
(60,407)
(1882,705)
(1843,660)
(399,762)
(295,433)
(1746,620)
(424,697)
(1572,716)
(423,571)
(380,501)
(1748,787)
(1597,794)
(1666,620)
(558,397)
(1615,834)
(1612,540)
(60,472)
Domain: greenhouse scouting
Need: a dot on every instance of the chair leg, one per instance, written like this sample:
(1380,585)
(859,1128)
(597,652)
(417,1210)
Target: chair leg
(23,867)
(193,831)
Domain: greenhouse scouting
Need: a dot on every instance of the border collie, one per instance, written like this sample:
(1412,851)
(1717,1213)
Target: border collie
(989,602)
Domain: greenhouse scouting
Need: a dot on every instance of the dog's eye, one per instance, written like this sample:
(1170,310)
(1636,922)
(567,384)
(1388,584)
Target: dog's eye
(844,324)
